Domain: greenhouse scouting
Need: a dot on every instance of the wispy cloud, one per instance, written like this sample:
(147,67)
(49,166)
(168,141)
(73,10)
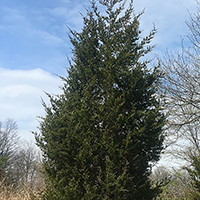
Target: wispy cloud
(169,18)
(71,15)
(27,25)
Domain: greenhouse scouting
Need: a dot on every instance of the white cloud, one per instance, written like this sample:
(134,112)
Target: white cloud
(21,92)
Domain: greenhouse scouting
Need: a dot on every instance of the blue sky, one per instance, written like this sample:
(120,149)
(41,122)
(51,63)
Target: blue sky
(34,45)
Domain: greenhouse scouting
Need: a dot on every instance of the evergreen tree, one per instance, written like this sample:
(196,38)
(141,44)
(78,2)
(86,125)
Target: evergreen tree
(194,172)
(101,136)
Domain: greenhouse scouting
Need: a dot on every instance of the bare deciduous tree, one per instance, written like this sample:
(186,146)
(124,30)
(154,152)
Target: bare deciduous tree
(8,145)
(20,163)
(182,87)
(28,165)
(176,183)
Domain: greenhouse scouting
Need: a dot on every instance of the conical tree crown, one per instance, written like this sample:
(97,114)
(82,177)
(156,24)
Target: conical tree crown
(101,135)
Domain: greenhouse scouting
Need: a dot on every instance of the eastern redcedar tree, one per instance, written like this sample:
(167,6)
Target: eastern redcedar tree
(100,137)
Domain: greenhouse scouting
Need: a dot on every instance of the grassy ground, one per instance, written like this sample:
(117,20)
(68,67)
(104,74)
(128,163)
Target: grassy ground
(25,193)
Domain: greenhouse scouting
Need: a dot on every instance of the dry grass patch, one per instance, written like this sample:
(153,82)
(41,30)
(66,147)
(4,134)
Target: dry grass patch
(24,193)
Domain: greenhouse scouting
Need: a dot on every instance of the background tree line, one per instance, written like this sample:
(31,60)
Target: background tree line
(20,162)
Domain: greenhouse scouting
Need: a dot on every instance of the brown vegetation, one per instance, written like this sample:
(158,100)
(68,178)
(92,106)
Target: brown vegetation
(24,193)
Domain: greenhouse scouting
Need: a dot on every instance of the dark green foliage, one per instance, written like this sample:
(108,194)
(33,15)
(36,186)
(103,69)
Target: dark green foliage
(194,172)
(100,137)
